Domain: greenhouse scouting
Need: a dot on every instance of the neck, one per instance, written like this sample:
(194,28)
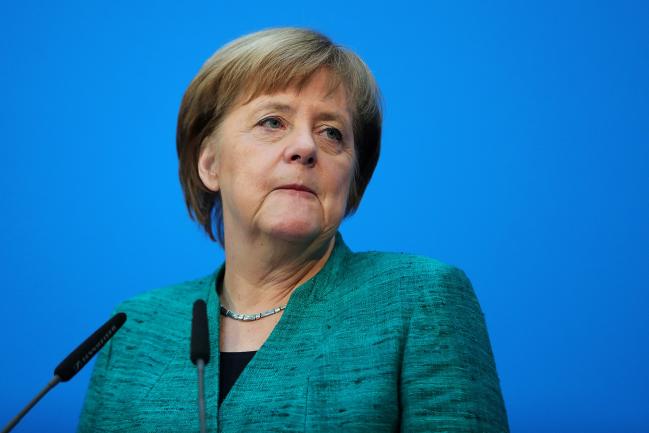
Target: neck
(261,273)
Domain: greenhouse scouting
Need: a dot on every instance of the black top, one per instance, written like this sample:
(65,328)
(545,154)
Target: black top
(231,365)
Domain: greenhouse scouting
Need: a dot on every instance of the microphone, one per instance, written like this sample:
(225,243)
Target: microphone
(74,362)
(86,350)
(200,352)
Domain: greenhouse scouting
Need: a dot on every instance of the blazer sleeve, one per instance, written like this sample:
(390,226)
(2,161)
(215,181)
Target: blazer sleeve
(449,381)
(91,418)
(104,409)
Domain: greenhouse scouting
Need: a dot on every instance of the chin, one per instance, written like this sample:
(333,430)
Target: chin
(294,230)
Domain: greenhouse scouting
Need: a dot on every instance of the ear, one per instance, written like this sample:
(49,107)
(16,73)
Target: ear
(208,167)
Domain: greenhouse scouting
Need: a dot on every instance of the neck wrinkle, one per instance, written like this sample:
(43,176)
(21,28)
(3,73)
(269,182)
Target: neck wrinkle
(252,285)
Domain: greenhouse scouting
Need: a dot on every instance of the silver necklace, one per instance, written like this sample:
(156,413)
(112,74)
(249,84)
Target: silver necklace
(247,317)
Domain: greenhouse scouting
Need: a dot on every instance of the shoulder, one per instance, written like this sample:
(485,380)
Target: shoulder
(156,321)
(408,278)
(134,360)
(159,317)
(167,299)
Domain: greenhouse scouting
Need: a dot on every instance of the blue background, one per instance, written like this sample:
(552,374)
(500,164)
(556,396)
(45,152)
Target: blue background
(516,146)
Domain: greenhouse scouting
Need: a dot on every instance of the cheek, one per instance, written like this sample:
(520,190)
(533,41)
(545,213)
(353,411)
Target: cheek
(239,180)
(246,165)
(343,184)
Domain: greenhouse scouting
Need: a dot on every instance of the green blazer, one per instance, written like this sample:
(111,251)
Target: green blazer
(375,342)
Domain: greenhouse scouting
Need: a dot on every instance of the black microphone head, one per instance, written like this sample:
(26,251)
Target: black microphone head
(200,343)
(89,348)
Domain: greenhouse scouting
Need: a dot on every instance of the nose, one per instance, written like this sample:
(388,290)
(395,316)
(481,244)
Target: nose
(301,149)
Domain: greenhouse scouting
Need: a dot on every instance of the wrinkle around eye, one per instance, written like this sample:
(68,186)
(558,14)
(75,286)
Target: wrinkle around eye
(263,122)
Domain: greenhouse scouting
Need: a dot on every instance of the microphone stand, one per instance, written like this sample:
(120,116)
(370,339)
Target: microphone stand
(74,362)
(55,380)
(199,352)
(200,364)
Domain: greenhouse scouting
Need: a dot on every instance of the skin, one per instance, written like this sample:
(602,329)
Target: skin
(278,238)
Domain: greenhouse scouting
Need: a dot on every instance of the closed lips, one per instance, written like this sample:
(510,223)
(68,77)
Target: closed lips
(298,188)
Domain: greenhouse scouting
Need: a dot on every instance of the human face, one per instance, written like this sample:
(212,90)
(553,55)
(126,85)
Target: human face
(284,163)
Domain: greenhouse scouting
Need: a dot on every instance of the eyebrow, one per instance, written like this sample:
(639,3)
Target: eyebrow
(275,106)
(328,115)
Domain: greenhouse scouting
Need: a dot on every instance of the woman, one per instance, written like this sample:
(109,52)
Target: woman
(278,137)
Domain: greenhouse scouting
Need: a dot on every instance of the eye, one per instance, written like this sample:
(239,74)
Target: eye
(334,134)
(271,122)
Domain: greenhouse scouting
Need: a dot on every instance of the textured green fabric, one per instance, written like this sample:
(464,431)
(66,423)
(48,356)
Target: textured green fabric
(375,342)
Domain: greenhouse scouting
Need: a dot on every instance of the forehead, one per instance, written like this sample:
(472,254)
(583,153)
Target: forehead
(322,90)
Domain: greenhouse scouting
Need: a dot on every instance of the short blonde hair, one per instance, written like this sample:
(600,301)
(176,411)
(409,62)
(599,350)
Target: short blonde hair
(266,62)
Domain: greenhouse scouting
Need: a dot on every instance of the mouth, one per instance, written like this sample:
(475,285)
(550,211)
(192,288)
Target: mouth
(297,187)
